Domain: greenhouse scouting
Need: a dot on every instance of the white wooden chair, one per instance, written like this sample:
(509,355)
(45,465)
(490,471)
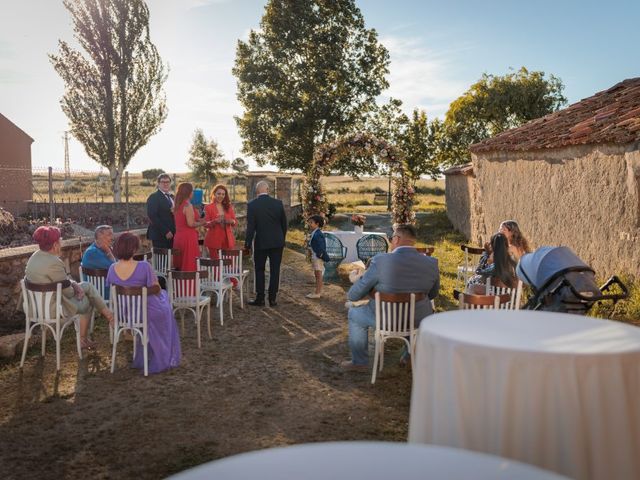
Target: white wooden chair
(143,257)
(42,304)
(129,306)
(395,318)
(514,293)
(215,282)
(98,278)
(162,260)
(469,301)
(186,295)
(235,270)
(468,268)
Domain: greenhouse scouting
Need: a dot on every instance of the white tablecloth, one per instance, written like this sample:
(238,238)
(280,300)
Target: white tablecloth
(554,390)
(364,461)
(349,240)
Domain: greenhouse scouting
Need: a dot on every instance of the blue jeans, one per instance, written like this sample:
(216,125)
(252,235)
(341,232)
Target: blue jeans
(360,319)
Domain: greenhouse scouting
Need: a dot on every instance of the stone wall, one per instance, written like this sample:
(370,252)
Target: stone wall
(458,191)
(585,197)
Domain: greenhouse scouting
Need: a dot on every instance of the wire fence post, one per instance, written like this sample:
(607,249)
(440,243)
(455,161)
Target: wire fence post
(52,209)
(126,196)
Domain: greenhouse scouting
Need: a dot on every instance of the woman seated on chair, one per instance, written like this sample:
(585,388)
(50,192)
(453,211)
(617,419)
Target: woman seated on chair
(518,244)
(164,340)
(500,268)
(45,266)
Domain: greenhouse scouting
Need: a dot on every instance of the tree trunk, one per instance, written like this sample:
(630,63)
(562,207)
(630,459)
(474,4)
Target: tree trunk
(115,174)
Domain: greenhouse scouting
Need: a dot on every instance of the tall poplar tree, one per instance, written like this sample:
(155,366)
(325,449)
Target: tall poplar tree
(306,76)
(113,90)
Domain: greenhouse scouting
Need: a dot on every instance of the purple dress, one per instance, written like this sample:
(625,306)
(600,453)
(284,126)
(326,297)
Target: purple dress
(164,340)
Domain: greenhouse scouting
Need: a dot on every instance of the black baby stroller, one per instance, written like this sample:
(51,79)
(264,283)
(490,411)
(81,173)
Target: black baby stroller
(561,282)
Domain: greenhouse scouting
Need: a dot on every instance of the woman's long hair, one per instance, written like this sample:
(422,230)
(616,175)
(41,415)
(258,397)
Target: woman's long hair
(184,191)
(504,266)
(226,202)
(517,238)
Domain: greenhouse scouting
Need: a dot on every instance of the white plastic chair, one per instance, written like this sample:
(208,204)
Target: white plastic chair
(216,282)
(38,301)
(98,278)
(161,260)
(468,268)
(235,270)
(186,294)
(468,301)
(515,294)
(129,306)
(395,318)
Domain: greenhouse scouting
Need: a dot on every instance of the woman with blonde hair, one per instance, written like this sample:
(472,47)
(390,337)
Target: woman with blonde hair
(187,222)
(220,219)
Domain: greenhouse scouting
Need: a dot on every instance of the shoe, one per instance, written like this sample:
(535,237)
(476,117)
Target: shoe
(349,366)
(258,302)
(312,295)
(273,303)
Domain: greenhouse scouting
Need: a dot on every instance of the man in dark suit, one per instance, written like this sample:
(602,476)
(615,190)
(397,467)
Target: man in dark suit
(267,222)
(162,225)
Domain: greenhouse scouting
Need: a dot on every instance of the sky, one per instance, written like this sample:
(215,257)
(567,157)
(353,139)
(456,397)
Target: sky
(437,48)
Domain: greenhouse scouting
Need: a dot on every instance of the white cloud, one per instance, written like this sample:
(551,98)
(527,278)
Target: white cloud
(421,77)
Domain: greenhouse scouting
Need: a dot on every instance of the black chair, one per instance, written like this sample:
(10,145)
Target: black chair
(371,245)
(337,253)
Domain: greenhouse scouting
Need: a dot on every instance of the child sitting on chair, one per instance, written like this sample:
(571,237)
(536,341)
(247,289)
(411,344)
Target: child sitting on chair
(319,254)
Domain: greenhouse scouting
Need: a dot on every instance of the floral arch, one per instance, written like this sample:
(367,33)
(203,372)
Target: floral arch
(314,199)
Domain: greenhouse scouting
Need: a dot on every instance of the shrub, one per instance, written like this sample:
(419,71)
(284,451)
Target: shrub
(151,174)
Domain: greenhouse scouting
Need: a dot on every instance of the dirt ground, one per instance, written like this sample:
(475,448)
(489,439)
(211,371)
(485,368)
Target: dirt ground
(270,377)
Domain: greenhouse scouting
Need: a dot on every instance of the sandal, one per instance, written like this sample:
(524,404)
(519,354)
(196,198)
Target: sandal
(87,344)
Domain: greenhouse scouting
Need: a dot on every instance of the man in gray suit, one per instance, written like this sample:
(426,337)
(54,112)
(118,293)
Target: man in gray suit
(404,270)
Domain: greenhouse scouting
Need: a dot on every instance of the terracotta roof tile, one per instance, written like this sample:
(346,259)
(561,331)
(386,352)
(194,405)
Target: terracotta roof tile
(610,116)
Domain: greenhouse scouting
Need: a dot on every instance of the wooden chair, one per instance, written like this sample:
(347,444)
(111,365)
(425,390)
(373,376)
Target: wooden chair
(428,251)
(143,257)
(42,305)
(468,268)
(235,269)
(130,313)
(162,260)
(216,282)
(515,294)
(395,318)
(98,278)
(469,301)
(186,294)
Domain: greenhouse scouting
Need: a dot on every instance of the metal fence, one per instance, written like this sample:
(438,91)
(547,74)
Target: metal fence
(78,201)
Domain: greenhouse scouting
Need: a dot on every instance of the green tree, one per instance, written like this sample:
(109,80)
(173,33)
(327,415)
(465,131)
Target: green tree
(494,104)
(113,92)
(152,174)
(307,76)
(205,159)
(418,141)
(239,166)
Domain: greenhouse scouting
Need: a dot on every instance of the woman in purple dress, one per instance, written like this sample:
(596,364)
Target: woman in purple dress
(164,341)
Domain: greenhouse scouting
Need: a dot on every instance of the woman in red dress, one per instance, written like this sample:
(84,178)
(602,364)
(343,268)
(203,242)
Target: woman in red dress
(220,220)
(186,237)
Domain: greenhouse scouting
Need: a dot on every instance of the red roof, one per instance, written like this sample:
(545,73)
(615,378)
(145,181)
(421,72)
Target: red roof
(610,116)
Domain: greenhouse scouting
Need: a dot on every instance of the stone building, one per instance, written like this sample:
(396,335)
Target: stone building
(457,193)
(570,178)
(15,167)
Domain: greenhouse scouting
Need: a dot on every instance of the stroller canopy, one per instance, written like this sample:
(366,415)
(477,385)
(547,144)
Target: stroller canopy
(537,268)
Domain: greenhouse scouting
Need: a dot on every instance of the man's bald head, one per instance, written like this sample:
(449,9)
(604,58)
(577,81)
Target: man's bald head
(262,187)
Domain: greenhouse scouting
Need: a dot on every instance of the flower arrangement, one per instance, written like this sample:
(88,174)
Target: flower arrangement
(314,199)
(358,220)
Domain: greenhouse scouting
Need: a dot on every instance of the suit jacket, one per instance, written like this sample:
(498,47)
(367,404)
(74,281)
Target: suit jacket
(43,267)
(160,217)
(267,222)
(404,270)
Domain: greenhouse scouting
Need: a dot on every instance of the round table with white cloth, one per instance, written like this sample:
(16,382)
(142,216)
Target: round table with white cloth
(554,390)
(350,239)
(364,461)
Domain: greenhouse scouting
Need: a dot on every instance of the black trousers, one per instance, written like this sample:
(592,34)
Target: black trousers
(259,261)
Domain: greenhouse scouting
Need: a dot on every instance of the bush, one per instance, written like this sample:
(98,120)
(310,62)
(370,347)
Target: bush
(146,183)
(152,174)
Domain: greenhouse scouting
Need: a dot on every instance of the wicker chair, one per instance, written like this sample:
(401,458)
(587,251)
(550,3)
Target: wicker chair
(337,252)
(371,245)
